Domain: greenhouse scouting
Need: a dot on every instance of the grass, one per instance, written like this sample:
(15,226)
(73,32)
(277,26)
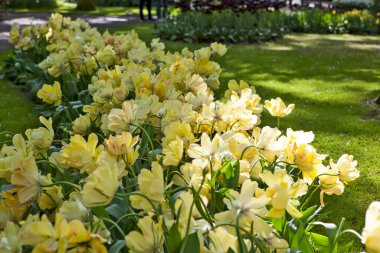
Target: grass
(67,7)
(16,110)
(327,76)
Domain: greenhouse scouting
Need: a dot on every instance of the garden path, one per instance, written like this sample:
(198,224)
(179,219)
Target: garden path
(24,19)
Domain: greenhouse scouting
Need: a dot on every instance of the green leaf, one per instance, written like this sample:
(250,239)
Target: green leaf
(298,238)
(115,211)
(174,240)
(117,246)
(100,212)
(231,175)
(320,242)
(191,244)
(331,228)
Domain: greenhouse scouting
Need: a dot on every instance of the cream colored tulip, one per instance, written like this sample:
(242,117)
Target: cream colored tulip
(277,107)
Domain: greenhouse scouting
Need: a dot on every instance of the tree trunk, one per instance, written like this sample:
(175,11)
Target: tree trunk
(86,5)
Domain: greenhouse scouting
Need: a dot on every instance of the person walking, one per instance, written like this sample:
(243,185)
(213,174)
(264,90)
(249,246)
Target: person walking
(148,5)
(162,4)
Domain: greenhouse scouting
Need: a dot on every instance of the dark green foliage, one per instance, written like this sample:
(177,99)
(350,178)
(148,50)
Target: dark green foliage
(224,26)
(86,5)
(122,3)
(32,4)
(229,27)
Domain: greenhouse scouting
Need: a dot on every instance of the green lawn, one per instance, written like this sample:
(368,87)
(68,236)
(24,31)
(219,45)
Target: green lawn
(16,109)
(327,76)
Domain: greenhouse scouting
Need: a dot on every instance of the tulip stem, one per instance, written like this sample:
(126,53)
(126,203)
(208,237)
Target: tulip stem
(62,183)
(114,224)
(278,122)
(148,137)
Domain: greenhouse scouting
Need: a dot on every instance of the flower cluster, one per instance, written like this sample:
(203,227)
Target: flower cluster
(155,159)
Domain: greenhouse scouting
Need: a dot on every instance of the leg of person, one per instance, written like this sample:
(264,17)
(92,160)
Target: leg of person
(159,5)
(150,9)
(141,5)
(165,4)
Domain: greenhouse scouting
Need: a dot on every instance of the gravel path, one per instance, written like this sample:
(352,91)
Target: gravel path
(24,19)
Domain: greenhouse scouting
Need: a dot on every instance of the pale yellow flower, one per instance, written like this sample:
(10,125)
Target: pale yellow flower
(120,119)
(242,147)
(283,193)
(221,241)
(101,186)
(371,231)
(9,241)
(218,49)
(306,158)
(330,182)
(82,124)
(243,205)
(193,174)
(268,142)
(120,144)
(51,197)
(152,185)
(181,130)
(346,166)
(27,179)
(149,240)
(233,85)
(173,152)
(74,209)
(277,108)
(41,137)
(14,34)
(51,94)
(209,150)
(80,154)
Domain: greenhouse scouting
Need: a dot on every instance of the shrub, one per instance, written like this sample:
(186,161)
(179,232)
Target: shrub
(223,27)
(353,4)
(122,3)
(86,5)
(30,4)
(227,26)
(233,5)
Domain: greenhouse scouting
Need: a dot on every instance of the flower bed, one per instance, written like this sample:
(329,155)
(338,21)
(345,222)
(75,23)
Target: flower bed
(135,153)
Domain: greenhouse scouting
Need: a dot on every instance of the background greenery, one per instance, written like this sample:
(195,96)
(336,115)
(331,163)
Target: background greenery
(328,77)
(247,27)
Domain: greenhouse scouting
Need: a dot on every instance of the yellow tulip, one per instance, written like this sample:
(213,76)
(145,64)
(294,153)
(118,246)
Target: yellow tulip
(120,144)
(101,186)
(277,108)
(51,94)
(80,154)
(151,238)
(218,49)
(371,231)
(173,152)
(27,180)
(346,166)
(120,119)
(9,239)
(283,192)
(243,205)
(152,185)
(82,124)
